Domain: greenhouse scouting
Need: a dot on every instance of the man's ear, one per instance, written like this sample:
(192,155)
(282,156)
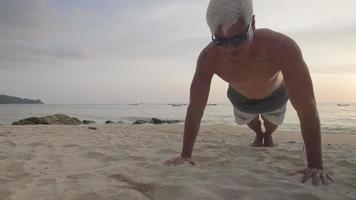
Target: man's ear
(253,23)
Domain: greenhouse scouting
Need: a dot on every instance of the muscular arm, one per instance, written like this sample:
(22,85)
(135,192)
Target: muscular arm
(300,89)
(199,92)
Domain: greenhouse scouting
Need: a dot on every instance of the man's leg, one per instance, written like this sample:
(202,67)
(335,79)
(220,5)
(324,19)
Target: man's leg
(255,125)
(269,129)
(271,121)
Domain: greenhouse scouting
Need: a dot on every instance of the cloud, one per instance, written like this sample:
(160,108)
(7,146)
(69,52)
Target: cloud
(28,33)
(16,55)
(26,20)
(304,15)
(82,13)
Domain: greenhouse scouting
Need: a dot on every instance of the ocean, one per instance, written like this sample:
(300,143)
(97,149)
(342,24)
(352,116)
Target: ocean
(334,119)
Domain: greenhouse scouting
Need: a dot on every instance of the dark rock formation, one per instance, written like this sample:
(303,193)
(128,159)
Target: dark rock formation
(157,121)
(140,122)
(88,122)
(58,119)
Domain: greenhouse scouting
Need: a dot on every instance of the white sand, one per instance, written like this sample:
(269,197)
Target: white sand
(121,161)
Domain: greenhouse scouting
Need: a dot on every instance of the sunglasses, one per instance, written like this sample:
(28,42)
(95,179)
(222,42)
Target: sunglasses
(236,40)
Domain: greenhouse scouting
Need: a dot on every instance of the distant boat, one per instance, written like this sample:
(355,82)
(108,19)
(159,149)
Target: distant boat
(212,104)
(343,104)
(177,104)
(133,104)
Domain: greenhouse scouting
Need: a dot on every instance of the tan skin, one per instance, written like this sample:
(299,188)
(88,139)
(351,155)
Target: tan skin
(255,69)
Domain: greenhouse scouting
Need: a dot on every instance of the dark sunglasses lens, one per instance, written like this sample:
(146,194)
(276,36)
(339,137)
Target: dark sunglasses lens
(218,42)
(239,40)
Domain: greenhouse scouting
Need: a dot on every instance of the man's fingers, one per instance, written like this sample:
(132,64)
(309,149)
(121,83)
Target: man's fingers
(323,179)
(177,162)
(305,178)
(171,162)
(307,175)
(167,162)
(329,177)
(316,178)
(192,162)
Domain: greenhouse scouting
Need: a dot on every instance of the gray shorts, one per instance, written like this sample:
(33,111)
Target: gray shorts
(276,116)
(272,107)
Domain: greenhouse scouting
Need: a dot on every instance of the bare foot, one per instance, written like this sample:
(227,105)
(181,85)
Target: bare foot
(268,141)
(258,141)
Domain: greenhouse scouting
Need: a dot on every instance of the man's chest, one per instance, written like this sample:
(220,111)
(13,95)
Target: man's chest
(248,72)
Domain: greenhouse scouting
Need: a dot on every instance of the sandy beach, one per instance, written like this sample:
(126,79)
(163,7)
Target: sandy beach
(122,161)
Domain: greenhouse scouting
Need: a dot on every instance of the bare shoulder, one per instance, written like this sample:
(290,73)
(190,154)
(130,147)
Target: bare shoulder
(283,48)
(208,60)
(278,42)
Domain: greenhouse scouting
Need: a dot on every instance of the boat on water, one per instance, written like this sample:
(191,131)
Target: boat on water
(177,104)
(212,104)
(343,104)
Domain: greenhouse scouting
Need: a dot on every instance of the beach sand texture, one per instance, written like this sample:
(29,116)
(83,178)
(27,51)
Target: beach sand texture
(122,161)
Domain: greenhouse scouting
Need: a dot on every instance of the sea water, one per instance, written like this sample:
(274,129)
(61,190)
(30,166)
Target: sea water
(333,118)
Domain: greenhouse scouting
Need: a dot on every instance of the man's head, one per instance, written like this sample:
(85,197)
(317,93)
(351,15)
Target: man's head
(222,14)
(232,24)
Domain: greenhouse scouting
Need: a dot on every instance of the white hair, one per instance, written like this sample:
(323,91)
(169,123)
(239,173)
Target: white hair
(225,13)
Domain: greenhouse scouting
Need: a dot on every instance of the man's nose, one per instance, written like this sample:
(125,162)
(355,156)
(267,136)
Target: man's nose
(230,47)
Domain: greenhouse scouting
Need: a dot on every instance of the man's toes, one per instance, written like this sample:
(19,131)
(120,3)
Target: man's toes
(268,142)
(258,142)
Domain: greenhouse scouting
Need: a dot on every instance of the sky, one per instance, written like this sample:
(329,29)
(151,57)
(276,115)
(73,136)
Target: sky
(116,51)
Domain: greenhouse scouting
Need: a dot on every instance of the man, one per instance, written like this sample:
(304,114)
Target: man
(263,68)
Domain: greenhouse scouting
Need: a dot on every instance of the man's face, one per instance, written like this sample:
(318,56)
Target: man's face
(237,38)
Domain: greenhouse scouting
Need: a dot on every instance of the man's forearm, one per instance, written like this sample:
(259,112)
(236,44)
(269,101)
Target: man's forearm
(191,128)
(310,127)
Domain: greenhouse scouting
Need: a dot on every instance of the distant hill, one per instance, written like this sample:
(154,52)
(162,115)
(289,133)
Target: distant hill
(4,99)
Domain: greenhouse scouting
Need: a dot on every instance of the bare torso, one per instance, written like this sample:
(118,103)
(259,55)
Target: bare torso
(258,74)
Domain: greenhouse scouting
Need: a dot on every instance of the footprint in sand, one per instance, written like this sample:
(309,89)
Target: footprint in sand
(5,194)
(133,184)
(78,176)
(346,163)
(69,145)
(14,170)
(167,151)
(4,155)
(305,196)
(24,156)
(8,143)
(53,156)
(351,182)
(44,182)
(94,155)
(35,144)
(229,193)
(88,196)
(128,194)
(5,134)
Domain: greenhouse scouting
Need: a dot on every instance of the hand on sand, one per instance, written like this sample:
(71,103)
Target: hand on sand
(178,161)
(316,175)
